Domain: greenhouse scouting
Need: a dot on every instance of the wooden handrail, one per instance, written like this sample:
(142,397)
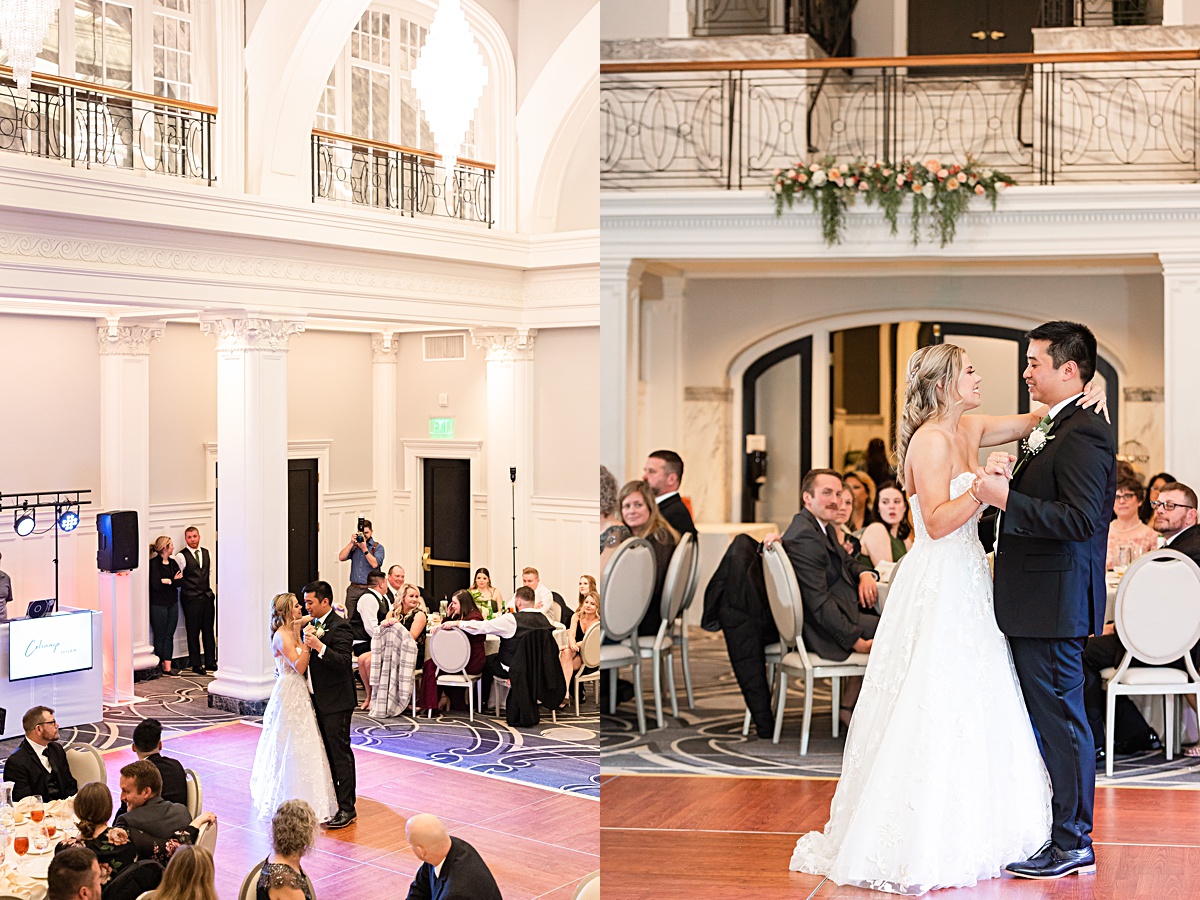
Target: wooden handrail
(889,62)
(89,86)
(396,148)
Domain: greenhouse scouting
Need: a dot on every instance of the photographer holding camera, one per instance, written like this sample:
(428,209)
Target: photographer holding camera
(365,553)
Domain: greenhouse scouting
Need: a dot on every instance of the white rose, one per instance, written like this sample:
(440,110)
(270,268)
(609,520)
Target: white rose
(819,178)
(929,191)
(1036,440)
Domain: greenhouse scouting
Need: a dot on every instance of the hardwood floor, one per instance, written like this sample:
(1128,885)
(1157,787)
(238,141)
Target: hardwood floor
(537,843)
(698,837)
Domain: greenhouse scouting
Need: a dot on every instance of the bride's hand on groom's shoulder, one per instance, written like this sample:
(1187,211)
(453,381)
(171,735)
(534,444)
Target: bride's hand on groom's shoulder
(1093,395)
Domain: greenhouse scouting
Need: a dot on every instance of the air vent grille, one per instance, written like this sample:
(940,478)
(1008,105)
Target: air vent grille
(440,347)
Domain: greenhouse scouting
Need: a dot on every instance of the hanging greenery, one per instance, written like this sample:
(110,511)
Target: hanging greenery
(940,194)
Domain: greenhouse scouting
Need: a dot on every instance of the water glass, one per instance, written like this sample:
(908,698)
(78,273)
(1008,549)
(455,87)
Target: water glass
(1124,555)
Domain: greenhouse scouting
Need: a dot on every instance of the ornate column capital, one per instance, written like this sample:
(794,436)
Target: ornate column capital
(504,344)
(384,347)
(127,340)
(249,330)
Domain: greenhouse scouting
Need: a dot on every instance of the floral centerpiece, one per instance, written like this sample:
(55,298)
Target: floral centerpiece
(940,193)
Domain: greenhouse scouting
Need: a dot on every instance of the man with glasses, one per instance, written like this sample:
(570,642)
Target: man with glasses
(39,767)
(1174,519)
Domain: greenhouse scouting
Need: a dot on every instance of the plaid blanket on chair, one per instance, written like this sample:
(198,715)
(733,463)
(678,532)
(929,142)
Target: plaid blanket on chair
(393,661)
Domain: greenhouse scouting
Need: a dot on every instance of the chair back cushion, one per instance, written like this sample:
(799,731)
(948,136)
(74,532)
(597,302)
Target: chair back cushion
(783,594)
(208,837)
(1158,607)
(86,764)
(450,649)
(588,887)
(195,793)
(626,588)
(249,889)
(679,575)
(589,647)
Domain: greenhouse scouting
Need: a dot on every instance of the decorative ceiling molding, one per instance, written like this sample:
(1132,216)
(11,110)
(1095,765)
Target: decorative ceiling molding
(504,345)
(250,331)
(385,347)
(116,339)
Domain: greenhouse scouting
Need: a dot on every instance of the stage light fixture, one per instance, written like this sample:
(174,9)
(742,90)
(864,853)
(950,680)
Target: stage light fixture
(68,519)
(23,521)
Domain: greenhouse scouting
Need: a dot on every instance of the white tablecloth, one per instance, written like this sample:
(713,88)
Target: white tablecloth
(491,642)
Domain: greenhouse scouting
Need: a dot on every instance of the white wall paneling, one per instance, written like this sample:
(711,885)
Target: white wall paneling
(564,535)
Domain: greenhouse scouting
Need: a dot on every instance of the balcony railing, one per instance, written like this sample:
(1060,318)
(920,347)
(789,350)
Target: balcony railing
(1090,117)
(387,176)
(92,126)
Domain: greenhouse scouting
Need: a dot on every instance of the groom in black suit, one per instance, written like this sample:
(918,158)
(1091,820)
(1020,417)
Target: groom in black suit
(329,638)
(1049,579)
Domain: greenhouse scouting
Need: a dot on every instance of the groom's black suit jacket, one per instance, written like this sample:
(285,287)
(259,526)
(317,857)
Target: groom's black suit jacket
(1049,580)
(332,677)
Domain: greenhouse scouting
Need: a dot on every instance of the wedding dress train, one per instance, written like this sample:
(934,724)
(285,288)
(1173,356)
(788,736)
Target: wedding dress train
(942,781)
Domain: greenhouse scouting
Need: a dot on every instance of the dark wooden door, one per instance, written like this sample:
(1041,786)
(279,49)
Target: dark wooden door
(970,27)
(302,523)
(447,511)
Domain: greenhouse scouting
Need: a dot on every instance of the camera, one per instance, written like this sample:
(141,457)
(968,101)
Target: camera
(358,535)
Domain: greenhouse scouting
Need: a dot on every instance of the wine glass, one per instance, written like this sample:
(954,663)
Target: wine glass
(21,843)
(36,811)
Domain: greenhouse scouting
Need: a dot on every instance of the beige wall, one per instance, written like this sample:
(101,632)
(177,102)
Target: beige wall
(544,25)
(566,405)
(579,194)
(183,380)
(329,398)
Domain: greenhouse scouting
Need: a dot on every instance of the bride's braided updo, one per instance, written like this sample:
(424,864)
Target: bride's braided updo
(281,610)
(929,393)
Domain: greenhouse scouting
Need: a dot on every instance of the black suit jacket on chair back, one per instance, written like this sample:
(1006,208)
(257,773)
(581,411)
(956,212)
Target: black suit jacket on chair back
(30,777)
(465,876)
(675,511)
(1049,580)
(332,677)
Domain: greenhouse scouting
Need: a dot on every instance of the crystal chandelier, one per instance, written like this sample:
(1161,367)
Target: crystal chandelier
(449,79)
(23,27)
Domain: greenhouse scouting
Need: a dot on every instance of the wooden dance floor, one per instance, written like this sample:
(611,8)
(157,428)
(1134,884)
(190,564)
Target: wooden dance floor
(703,836)
(537,843)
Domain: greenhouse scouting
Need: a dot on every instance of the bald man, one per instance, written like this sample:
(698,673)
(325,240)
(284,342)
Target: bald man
(451,868)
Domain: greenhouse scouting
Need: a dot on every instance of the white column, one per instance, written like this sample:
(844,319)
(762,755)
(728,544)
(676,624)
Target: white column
(510,440)
(125,451)
(383,443)
(619,354)
(1181,365)
(252,497)
(661,336)
(230,96)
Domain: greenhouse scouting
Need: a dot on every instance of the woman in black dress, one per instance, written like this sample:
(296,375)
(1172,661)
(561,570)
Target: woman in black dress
(586,615)
(293,832)
(165,576)
(639,512)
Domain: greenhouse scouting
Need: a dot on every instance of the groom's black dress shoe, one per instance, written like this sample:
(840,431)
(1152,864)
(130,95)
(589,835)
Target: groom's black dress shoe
(1055,863)
(341,820)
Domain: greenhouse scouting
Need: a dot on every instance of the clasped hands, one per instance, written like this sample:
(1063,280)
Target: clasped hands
(991,480)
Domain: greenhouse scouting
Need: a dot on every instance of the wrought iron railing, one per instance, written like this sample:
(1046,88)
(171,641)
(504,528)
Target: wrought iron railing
(387,176)
(1098,117)
(93,126)
(1087,13)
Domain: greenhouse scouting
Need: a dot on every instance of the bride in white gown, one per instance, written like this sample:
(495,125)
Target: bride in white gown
(942,782)
(290,762)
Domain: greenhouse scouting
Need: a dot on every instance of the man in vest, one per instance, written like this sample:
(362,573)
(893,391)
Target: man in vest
(198,601)
(368,611)
(510,627)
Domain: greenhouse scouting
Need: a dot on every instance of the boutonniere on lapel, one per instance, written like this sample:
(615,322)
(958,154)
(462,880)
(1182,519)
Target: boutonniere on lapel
(1038,438)
(317,628)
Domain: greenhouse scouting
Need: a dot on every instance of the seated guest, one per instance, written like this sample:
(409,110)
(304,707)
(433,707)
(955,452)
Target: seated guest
(450,867)
(613,532)
(147,743)
(155,825)
(74,874)
(641,514)
(488,593)
(1126,532)
(38,767)
(189,876)
(409,612)
(839,593)
(845,509)
(663,472)
(370,609)
(462,608)
(112,846)
(587,615)
(1175,519)
(863,488)
(293,831)
(890,536)
(1146,513)
(587,585)
(543,596)
(397,651)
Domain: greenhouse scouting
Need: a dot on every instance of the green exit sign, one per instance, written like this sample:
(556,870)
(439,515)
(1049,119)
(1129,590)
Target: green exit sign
(441,427)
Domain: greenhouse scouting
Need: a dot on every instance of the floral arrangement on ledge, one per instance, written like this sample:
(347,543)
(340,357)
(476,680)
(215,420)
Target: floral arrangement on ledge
(939,193)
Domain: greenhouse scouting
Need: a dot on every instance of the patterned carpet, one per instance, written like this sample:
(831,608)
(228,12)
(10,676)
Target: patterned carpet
(561,757)
(708,740)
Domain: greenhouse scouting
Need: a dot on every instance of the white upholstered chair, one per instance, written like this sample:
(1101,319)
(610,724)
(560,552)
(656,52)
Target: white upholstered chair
(589,654)
(660,647)
(195,793)
(626,587)
(450,650)
(86,764)
(588,887)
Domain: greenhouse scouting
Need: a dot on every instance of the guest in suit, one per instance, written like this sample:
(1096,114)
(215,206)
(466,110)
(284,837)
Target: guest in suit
(5,594)
(39,767)
(165,578)
(664,473)
(147,743)
(293,833)
(1146,512)
(329,639)
(451,869)
(369,610)
(1177,526)
(145,808)
(839,593)
(198,601)
(645,520)
(74,875)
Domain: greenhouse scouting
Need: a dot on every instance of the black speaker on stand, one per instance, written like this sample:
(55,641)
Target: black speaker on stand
(118,541)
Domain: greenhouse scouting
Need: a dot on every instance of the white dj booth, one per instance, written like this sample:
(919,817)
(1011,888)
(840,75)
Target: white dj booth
(55,661)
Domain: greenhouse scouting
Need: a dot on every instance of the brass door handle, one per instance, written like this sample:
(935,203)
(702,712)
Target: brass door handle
(979,35)
(996,35)
(427,561)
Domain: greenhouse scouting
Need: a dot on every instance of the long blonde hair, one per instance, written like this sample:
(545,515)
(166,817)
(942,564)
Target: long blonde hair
(657,528)
(930,368)
(190,875)
(281,610)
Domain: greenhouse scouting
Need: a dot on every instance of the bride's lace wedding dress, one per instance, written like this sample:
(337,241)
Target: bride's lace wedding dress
(942,782)
(290,762)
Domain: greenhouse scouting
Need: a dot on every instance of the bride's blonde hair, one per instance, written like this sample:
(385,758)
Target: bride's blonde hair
(930,368)
(281,610)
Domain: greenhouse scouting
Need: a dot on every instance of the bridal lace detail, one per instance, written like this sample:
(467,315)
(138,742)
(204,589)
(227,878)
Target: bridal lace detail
(290,761)
(942,783)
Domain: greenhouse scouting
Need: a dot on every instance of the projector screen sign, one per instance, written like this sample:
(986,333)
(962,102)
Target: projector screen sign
(49,646)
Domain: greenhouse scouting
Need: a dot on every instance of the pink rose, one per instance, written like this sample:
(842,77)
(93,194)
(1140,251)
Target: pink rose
(105,873)
(862,186)
(979,189)
(778,172)
(932,165)
(952,184)
(814,167)
(802,177)
(942,173)
(899,180)
(917,187)
(118,836)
